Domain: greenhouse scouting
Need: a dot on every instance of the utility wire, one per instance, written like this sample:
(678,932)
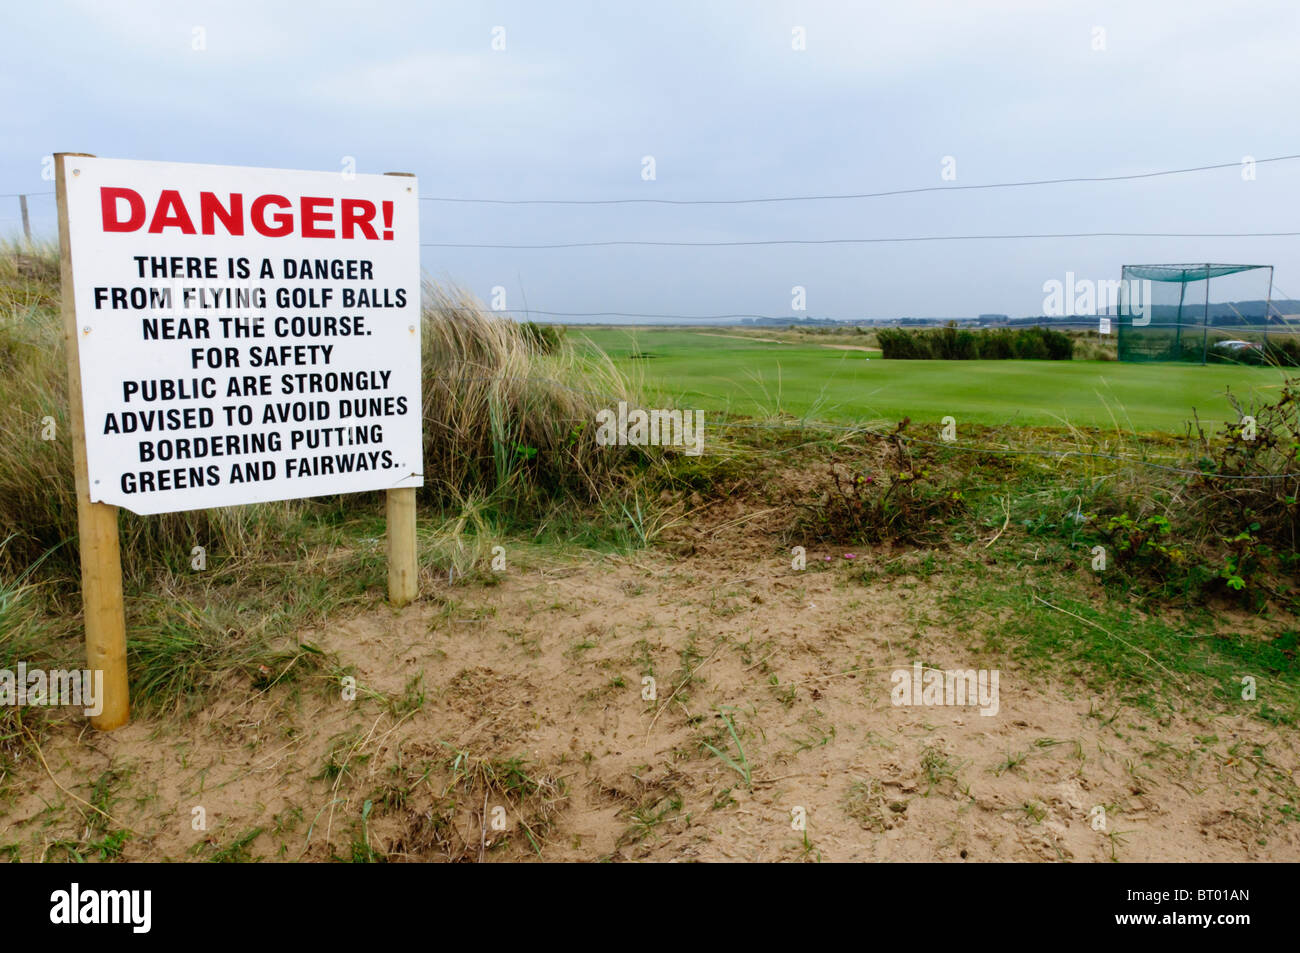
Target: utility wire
(633,314)
(854,195)
(852,241)
(826,197)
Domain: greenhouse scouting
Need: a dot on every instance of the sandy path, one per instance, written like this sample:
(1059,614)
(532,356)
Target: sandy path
(549,665)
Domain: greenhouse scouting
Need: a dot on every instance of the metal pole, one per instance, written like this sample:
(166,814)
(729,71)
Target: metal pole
(1205,335)
(1268,306)
(1178,334)
(1123,307)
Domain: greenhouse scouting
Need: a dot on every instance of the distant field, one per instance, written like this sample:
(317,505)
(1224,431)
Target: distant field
(716,369)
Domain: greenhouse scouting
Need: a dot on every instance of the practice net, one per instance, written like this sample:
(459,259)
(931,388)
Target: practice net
(1201,313)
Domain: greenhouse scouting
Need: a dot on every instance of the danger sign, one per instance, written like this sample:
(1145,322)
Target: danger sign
(245,335)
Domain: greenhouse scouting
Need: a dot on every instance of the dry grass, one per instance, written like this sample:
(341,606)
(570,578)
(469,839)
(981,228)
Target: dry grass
(503,419)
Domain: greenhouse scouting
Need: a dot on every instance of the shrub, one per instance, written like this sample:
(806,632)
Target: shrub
(952,343)
(1028,346)
(1232,527)
(901,500)
(900,345)
(1248,484)
(1060,347)
(996,345)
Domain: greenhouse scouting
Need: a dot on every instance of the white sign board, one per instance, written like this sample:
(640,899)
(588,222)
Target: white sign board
(245,335)
(1105,326)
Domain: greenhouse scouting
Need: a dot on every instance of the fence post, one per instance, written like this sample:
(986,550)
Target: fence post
(97,537)
(403,570)
(27,222)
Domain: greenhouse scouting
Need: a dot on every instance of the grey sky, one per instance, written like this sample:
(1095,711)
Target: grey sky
(714,91)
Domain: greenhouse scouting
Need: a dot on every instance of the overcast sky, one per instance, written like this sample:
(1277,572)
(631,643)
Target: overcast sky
(715,92)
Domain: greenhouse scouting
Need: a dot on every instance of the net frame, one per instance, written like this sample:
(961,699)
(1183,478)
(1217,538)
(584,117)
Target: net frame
(1127,331)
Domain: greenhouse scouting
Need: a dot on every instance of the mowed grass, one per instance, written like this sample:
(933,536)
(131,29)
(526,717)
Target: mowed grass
(712,370)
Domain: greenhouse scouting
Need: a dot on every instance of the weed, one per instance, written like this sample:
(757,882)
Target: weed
(739,763)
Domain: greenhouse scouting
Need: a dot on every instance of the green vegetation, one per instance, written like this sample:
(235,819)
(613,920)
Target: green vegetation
(754,378)
(959,344)
(739,762)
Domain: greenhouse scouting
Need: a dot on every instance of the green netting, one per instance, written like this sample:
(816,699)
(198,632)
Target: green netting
(1194,313)
(1185,273)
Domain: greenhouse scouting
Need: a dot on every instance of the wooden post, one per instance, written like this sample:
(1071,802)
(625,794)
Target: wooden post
(403,572)
(27,222)
(101,560)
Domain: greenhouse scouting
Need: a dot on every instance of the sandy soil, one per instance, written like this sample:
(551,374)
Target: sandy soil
(547,665)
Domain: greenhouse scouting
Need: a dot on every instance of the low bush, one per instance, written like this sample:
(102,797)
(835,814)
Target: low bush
(901,499)
(951,343)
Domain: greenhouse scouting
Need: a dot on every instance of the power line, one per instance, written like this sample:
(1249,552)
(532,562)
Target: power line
(827,197)
(854,241)
(632,314)
(854,195)
(793,319)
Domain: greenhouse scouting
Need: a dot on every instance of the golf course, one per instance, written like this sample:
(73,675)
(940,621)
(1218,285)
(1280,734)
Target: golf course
(843,381)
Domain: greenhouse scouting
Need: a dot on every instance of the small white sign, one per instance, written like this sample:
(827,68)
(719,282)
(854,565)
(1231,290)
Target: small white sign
(245,335)
(1105,326)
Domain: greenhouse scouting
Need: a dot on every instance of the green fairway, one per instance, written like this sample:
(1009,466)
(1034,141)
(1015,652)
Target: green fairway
(712,370)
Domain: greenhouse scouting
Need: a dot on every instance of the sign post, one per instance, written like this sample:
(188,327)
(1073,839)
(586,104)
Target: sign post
(101,560)
(235,336)
(403,572)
